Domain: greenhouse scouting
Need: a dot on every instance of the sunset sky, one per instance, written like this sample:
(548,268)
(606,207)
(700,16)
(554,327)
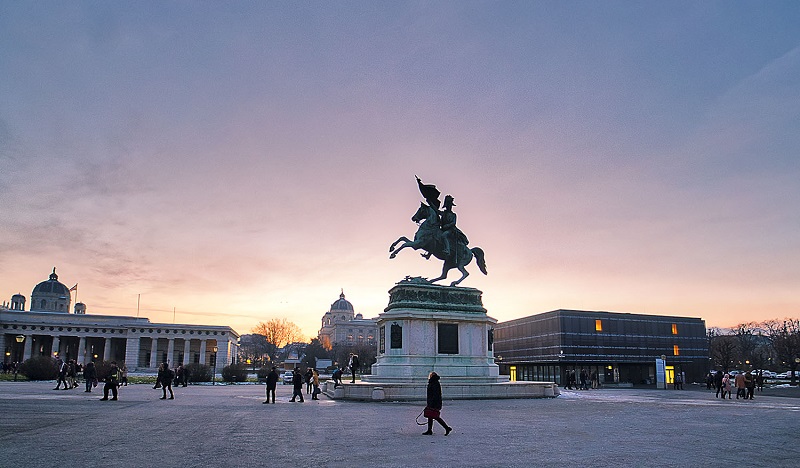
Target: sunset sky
(244,161)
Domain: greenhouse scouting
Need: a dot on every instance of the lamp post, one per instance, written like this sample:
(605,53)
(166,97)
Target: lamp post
(19,339)
(214,364)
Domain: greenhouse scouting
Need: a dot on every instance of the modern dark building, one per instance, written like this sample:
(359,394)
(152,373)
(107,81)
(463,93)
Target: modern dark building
(621,348)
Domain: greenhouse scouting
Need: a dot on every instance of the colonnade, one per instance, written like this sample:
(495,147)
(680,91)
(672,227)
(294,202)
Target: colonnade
(125,348)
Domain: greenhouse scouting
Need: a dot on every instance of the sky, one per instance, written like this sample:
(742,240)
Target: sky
(227,163)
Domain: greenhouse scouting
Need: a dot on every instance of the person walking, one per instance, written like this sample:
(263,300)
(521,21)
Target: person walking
(272,383)
(434,402)
(165,376)
(62,374)
(112,382)
(740,385)
(749,385)
(679,380)
(297,386)
(90,375)
(307,379)
(72,374)
(718,383)
(315,384)
(353,366)
(726,386)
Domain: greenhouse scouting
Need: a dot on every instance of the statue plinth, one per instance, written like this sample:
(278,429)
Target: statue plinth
(428,328)
(417,294)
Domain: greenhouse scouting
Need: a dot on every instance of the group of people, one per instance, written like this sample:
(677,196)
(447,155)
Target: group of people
(69,370)
(585,377)
(311,379)
(745,384)
(9,367)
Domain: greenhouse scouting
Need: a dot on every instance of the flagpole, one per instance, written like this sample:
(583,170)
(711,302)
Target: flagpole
(138,299)
(173,315)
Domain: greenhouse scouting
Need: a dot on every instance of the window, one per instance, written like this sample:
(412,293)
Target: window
(675,350)
(674,328)
(448,338)
(598,325)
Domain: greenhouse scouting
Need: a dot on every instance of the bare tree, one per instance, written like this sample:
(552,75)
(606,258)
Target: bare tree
(279,333)
(746,342)
(254,348)
(723,349)
(784,335)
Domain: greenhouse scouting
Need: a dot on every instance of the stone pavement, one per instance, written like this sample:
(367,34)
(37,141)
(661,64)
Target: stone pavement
(229,426)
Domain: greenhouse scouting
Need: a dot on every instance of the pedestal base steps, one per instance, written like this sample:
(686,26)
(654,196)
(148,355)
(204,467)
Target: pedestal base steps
(364,391)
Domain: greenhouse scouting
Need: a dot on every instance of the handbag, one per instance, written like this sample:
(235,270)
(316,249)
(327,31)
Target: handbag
(429,412)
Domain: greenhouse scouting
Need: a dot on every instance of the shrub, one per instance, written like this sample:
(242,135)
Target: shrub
(198,372)
(39,368)
(235,373)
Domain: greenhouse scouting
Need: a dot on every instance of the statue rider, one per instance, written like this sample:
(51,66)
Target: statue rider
(450,233)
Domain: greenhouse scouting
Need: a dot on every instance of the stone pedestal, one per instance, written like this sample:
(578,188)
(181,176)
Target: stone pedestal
(434,328)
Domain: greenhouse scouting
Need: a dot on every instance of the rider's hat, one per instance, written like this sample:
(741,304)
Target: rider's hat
(448,200)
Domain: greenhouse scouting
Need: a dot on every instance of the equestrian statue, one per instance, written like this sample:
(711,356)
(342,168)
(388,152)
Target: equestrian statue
(439,236)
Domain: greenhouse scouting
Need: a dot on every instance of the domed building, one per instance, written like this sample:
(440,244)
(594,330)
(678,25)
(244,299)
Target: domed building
(49,329)
(51,296)
(341,324)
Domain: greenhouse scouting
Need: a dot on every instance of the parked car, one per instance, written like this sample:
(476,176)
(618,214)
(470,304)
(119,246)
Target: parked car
(788,375)
(287,377)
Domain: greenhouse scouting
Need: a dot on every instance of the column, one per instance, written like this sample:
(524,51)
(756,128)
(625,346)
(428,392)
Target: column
(202,351)
(3,345)
(56,346)
(187,348)
(107,350)
(26,354)
(132,347)
(171,351)
(222,352)
(81,357)
(154,352)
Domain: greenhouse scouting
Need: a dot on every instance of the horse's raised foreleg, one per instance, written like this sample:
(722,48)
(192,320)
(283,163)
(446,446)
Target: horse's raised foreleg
(407,243)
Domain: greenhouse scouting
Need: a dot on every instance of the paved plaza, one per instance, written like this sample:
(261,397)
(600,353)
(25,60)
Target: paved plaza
(229,426)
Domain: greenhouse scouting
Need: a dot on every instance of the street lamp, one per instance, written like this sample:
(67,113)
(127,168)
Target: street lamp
(19,339)
(214,363)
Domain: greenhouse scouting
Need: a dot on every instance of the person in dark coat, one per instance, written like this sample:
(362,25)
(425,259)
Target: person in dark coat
(297,384)
(354,364)
(272,383)
(435,402)
(165,376)
(112,382)
(718,384)
(89,374)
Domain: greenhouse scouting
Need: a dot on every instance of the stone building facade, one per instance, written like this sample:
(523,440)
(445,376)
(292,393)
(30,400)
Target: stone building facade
(341,324)
(133,341)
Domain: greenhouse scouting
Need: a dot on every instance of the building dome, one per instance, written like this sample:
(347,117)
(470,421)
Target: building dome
(51,295)
(52,285)
(342,304)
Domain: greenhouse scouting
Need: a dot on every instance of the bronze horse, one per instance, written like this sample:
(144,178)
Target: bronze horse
(429,239)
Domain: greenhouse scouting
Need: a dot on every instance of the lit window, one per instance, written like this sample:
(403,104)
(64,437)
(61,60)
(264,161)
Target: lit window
(675,350)
(674,328)
(598,325)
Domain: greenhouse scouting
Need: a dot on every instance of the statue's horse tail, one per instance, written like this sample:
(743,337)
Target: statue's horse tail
(478,252)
